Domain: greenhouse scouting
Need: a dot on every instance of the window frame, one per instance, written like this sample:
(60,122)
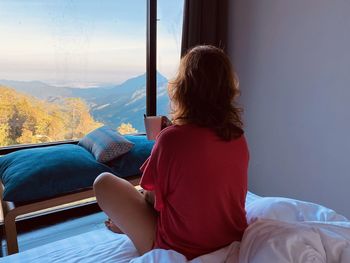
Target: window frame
(151,78)
(151,59)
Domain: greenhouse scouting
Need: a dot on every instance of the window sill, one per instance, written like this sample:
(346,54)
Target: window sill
(13,148)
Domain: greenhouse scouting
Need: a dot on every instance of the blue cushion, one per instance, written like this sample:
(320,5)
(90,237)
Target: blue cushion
(105,144)
(45,172)
(129,164)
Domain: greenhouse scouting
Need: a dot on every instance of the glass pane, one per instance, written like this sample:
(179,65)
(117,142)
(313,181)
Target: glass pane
(69,66)
(169,30)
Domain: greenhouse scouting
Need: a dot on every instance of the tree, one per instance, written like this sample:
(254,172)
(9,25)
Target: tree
(4,127)
(79,121)
(126,128)
(24,119)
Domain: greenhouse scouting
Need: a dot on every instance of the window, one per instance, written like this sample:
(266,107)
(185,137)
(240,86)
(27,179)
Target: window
(169,29)
(70,66)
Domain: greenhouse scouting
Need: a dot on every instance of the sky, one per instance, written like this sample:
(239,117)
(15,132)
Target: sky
(84,43)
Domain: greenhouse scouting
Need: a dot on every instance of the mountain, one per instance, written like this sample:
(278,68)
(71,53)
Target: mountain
(127,102)
(38,89)
(112,106)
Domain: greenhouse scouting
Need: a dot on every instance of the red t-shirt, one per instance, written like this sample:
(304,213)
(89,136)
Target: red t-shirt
(200,185)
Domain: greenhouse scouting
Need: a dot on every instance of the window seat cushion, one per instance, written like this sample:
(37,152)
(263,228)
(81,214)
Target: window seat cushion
(45,172)
(129,164)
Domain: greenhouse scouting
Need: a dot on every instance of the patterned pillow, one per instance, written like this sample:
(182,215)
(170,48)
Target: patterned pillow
(129,164)
(105,144)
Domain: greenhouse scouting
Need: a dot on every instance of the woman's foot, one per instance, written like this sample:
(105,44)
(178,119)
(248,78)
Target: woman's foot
(111,226)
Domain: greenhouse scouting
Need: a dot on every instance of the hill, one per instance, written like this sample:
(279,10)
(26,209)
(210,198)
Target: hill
(111,105)
(25,119)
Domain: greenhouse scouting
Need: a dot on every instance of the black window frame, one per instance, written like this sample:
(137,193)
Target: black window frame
(151,78)
(151,59)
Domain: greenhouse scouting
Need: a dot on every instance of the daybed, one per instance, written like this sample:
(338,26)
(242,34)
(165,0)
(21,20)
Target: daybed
(280,230)
(33,180)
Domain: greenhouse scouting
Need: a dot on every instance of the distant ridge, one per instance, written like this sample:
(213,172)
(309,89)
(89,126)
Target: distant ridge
(110,104)
(37,89)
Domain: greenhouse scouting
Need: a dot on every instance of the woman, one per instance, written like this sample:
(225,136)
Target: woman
(197,171)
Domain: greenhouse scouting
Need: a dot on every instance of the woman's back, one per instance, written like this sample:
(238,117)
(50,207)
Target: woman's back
(197,170)
(200,183)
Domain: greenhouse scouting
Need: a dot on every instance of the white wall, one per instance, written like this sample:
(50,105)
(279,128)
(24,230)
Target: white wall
(293,60)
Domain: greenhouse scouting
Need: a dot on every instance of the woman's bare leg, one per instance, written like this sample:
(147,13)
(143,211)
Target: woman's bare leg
(127,209)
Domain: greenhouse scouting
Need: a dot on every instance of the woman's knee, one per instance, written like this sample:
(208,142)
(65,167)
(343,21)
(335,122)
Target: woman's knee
(102,181)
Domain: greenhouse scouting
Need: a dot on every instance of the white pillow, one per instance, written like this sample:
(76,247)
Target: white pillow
(289,210)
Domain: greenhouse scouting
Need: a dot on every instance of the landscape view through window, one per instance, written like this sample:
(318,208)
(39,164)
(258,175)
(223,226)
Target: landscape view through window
(70,66)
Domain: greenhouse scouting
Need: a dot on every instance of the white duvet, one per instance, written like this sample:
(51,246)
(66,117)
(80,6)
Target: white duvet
(280,230)
(268,241)
(276,241)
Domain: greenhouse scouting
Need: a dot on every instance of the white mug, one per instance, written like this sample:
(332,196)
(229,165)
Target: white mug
(154,124)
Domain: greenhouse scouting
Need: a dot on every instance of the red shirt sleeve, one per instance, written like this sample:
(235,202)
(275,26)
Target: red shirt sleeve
(151,180)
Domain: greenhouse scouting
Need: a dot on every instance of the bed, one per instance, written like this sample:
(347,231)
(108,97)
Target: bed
(280,230)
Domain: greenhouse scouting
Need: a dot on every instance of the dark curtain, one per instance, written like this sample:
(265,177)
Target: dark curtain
(204,22)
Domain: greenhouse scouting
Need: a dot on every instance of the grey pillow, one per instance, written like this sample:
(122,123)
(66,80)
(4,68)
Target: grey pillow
(105,144)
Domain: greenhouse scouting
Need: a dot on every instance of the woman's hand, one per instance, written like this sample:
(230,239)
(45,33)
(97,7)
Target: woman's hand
(149,196)
(165,122)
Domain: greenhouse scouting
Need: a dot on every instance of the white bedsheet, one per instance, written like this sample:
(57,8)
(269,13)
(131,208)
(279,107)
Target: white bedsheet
(274,235)
(102,246)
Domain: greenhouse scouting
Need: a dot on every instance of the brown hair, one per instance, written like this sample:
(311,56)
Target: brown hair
(204,92)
